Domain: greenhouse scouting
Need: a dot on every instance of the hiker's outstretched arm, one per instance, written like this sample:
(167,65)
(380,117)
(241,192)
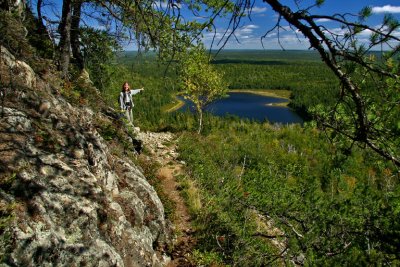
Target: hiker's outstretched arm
(136,91)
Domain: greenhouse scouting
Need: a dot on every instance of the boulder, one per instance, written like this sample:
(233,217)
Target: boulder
(74,203)
(15,73)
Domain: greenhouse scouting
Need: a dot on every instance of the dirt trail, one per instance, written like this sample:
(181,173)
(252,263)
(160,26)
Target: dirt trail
(163,148)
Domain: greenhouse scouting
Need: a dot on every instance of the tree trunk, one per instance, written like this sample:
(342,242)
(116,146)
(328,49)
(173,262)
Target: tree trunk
(65,38)
(42,30)
(39,11)
(200,112)
(75,44)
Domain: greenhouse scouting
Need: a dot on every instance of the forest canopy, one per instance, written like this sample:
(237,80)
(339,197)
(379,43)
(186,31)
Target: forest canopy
(366,109)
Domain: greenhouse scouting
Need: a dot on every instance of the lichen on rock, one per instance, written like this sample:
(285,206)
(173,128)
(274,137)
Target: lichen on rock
(77,204)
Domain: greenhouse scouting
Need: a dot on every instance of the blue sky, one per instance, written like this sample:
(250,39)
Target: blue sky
(263,19)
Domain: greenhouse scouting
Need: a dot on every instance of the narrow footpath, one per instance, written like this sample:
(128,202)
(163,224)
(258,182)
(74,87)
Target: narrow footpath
(162,147)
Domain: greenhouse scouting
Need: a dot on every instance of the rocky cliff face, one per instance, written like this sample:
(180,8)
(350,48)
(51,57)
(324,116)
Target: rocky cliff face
(64,198)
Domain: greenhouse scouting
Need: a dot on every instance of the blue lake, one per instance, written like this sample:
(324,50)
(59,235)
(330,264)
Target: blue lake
(250,106)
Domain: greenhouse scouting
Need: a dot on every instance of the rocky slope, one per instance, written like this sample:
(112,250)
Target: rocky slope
(65,198)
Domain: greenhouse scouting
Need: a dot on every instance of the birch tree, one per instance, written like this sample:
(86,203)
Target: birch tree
(200,81)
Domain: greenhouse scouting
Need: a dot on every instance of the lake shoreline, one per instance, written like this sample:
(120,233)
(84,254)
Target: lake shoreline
(174,106)
(283,94)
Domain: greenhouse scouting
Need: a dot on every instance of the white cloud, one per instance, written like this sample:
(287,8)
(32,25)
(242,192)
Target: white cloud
(211,35)
(287,42)
(323,20)
(385,29)
(287,28)
(247,29)
(257,10)
(248,38)
(396,33)
(386,9)
(365,33)
(271,34)
(242,32)
(251,26)
(244,37)
(337,31)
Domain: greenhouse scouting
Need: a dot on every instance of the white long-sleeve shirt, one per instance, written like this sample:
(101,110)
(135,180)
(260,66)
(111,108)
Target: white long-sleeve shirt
(126,97)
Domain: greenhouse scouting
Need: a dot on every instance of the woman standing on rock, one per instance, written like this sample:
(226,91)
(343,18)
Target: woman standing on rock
(126,100)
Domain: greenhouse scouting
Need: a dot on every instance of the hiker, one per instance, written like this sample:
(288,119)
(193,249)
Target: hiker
(126,101)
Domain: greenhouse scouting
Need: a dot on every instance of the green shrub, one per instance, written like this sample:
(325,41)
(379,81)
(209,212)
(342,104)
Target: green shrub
(330,208)
(13,35)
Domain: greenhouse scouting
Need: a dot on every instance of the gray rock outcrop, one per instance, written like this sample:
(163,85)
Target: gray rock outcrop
(73,202)
(15,71)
